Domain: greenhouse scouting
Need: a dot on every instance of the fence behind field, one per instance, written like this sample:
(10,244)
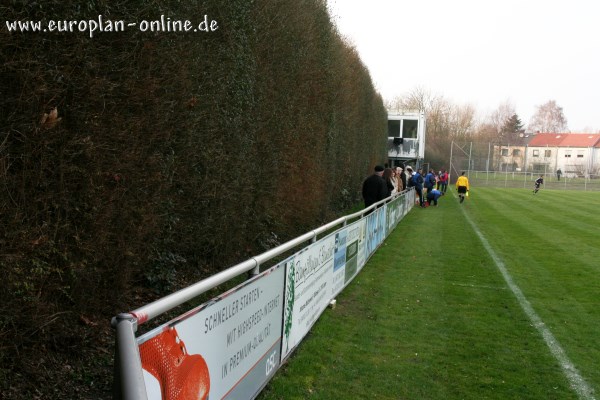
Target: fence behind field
(526,179)
(513,165)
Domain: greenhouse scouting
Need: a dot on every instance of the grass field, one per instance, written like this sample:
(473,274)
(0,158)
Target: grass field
(497,298)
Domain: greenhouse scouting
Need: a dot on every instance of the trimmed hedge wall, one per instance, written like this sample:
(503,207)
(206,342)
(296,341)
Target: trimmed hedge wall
(171,156)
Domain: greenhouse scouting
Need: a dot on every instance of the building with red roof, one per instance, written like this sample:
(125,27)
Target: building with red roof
(513,156)
(574,154)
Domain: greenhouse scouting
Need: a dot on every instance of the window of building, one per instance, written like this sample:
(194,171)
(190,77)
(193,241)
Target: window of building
(409,128)
(579,153)
(547,153)
(504,152)
(567,153)
(393,128)
(536,153)
(516,152)
(539,167)
(403,128)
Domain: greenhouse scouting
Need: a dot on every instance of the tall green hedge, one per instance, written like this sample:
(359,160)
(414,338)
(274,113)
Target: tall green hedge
(175,156)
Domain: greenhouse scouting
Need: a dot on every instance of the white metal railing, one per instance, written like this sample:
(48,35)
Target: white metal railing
(129,380)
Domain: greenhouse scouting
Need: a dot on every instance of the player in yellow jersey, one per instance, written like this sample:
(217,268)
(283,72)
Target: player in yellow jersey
(462,186)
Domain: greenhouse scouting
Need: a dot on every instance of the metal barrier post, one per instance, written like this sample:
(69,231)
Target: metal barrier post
(130,384)
(254,271)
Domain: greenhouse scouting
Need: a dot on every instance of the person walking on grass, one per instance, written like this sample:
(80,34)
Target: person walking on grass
(462,186)
(539,181)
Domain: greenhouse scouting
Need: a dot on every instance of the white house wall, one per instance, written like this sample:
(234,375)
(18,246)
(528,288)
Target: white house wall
(588,164)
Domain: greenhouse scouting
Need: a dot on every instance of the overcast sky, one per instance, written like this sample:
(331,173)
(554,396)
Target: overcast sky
(483,52)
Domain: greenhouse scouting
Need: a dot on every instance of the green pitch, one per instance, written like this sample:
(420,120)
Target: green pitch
(495,298)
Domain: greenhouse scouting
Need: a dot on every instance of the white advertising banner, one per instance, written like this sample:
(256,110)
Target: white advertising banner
(224,349)
(395,211)
(362,243)
(309,275)
(229,347)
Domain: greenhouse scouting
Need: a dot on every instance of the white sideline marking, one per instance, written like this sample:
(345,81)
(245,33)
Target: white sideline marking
(584,391)
(479,286)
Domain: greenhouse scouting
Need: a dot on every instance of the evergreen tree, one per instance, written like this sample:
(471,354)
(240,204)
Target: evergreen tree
(511,129)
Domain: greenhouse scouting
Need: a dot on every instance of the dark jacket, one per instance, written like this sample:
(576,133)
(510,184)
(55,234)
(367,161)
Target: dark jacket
(389,188)
(418,181)
(429,181)
(374,189)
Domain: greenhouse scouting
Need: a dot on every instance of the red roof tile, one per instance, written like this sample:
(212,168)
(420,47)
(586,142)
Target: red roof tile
(580,140)
(565,140)
(547,139)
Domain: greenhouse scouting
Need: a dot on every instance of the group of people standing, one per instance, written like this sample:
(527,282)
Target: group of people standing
(387,181)
(382,184)
(430,187)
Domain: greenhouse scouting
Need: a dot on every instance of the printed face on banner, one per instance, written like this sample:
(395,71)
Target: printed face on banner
(222,349)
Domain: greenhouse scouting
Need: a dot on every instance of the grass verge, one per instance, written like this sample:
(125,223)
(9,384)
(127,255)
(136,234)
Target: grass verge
(431,317)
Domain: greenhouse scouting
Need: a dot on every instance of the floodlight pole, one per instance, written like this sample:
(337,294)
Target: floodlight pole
(469,166)
(487,164)
(451,148)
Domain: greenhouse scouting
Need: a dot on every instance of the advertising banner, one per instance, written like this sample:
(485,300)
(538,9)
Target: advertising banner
(352,253)
(231,346)
(224,349)
(346,255)
(375,229)
(395,212)
(362,243)
(309,275)
(339,261)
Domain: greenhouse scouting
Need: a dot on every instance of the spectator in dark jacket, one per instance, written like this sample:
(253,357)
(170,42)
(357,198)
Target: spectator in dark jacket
(418,181)
(430,180)
(374,187)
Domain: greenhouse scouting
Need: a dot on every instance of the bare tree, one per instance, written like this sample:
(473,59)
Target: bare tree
(497,119)
(487,132)
(417,99)
(445,121)
(549,118)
